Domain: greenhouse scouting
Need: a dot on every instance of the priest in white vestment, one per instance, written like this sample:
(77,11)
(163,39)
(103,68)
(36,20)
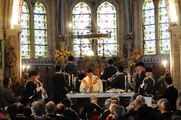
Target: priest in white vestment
(91,83)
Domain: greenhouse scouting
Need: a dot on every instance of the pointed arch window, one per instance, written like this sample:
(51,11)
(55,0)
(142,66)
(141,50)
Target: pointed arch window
(155,43)
(149,39)
(106,22)
(81,19)
(164,37)
(40,30)
(25,34)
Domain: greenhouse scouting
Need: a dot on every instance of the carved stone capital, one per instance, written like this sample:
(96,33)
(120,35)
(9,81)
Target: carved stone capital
(129,36)
(179,42)
(12,33)
(176,35)
(176,28)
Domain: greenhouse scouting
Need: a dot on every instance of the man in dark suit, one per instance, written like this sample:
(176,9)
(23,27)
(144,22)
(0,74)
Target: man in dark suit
(170,93)
(69,113)
(91,107)
(32,91)
(140,75)
(165,113)
(71,67)
(109,71)
(118,81)
(8,94)
(59,80)
(177,113)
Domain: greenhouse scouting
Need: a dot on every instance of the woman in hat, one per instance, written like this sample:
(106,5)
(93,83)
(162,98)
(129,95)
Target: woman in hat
(139,76)
(149,83)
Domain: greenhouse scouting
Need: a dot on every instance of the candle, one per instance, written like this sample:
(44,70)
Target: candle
(72,77)
(74,81)
(129,78)
(125,83)
(28,67)
(69,80)
(23,68)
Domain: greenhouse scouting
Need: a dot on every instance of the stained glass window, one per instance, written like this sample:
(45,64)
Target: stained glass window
(106,22)
(149,27)
(40,30)
(164,37)
(25,34)
(81,19)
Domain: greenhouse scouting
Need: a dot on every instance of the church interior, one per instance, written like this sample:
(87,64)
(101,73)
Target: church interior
(39,34)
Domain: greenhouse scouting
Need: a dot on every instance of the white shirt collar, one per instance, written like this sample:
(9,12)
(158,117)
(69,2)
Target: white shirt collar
(169,86)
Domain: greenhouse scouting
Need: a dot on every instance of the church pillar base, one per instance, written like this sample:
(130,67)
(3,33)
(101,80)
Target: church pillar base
(175,56)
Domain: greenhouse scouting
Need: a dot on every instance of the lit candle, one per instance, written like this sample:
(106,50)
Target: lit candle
(23,68)
(28,67)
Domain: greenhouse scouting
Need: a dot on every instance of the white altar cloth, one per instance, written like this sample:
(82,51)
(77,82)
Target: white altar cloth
(99,95)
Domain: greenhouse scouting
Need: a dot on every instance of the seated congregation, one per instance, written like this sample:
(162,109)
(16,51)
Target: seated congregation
(167,107)
(35,104)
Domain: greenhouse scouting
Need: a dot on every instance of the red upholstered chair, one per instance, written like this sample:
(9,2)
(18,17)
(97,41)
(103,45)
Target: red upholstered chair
(93,115)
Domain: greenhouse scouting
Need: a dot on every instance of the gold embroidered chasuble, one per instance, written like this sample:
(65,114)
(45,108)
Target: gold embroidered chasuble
(91,85)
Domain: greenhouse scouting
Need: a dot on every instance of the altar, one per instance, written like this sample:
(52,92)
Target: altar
(99,95)
(80,99)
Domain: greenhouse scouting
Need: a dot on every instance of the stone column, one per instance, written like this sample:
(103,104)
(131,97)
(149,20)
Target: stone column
(129,35)
(173,11)
(62,16)
(128,15)
(175,56)
(1,19)
(12,54)
(179,82)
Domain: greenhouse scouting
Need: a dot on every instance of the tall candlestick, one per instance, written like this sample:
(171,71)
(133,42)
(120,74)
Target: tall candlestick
(129,77)
(72,77)
(125,83)
(69,81)
(74,81)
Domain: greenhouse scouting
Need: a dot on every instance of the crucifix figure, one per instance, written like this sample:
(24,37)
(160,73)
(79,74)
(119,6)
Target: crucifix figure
(93,36)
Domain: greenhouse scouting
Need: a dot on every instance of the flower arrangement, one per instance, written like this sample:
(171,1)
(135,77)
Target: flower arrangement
(61,55)
(135,56)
